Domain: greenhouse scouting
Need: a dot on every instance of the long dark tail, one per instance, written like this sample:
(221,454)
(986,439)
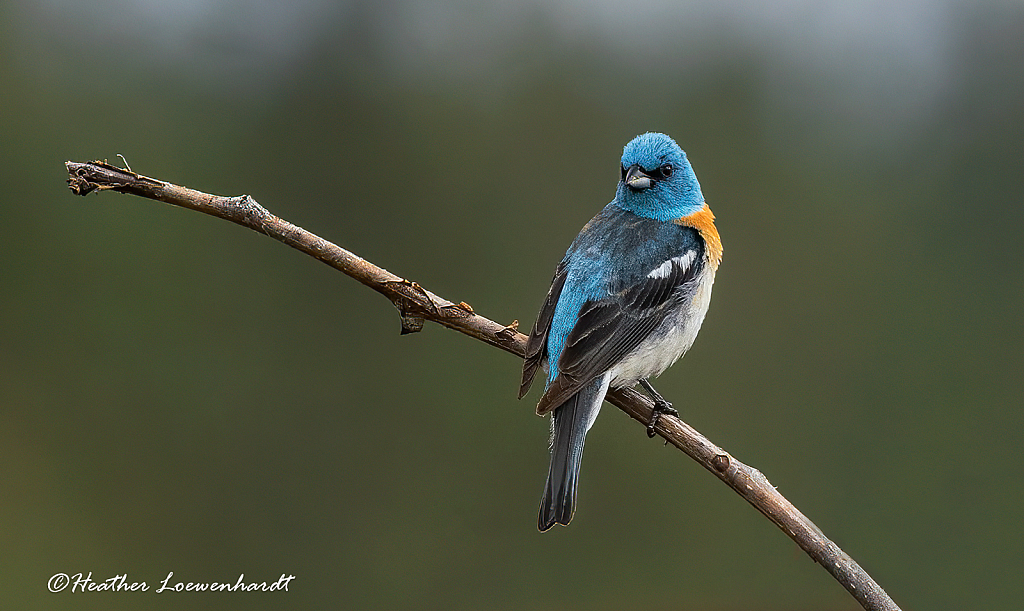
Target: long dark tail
(570,423)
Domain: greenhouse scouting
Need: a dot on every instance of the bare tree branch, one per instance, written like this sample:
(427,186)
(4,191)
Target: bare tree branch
(416,304)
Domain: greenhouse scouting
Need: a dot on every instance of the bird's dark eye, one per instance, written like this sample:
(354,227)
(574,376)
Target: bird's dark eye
(666,170)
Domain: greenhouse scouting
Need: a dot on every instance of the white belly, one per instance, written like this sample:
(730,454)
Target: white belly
(669,341)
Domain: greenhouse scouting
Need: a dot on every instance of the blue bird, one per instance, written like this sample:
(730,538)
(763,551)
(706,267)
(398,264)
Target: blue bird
(626,302)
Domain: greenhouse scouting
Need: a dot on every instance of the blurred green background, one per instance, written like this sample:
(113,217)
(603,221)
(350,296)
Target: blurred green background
(180,394)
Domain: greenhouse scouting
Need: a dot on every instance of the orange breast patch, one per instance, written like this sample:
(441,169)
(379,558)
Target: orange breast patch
(704,222)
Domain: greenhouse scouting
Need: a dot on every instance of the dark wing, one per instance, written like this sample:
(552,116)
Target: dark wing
(608,329)
(536,345)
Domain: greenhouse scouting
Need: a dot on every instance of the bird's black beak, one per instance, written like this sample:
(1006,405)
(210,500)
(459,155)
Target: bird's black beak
(636,179)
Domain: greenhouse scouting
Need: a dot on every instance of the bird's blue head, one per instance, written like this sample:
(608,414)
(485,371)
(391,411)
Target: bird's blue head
(657,181)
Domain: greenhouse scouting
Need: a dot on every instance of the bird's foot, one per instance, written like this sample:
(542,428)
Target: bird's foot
(661,406)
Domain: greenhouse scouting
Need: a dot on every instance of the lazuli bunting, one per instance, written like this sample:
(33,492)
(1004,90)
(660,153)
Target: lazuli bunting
(626,301)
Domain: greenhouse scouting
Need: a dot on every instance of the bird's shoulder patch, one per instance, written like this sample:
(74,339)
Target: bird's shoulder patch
(665,269)
(703,221)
